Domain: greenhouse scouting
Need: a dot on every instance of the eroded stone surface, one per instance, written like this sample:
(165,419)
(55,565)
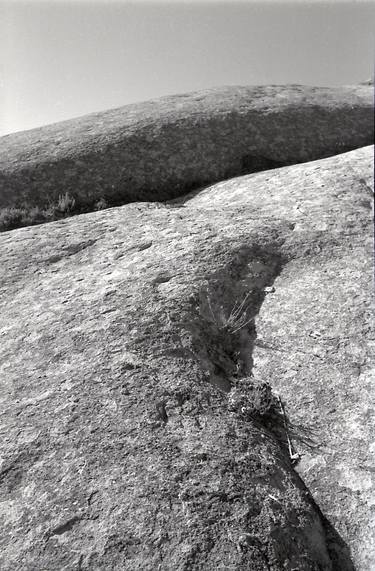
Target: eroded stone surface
(119,451)
(159,149)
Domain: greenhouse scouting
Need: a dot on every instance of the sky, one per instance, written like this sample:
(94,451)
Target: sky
(62,59)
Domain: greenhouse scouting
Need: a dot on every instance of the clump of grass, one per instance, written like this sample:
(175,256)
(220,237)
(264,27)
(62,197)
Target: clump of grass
(101,204)
(65,203)
(237,319)
(254,400)
(11,217)
(251,399)
(25,215)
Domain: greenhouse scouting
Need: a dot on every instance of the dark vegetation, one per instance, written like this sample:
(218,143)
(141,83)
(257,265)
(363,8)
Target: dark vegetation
(163,149)
(67,205)
(24,215)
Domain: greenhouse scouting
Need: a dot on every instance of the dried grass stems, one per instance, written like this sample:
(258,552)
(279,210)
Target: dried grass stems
(237,319)
(26,215)
(250,399)
(254,400)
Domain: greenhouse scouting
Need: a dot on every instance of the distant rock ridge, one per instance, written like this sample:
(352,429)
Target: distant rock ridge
(160,149)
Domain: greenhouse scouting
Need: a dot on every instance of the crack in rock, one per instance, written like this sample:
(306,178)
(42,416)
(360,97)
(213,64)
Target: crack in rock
(64,527)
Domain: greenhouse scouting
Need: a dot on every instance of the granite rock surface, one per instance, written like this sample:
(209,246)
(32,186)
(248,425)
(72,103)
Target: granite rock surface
(123,334)
(159,149)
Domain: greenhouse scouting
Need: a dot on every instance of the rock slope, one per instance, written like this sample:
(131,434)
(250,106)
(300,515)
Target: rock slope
(159,149)
(124,336)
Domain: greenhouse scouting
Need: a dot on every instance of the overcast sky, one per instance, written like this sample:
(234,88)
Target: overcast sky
(63,59)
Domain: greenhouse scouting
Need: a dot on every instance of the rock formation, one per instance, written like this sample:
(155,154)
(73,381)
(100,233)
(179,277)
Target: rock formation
(159,149)
(139,347)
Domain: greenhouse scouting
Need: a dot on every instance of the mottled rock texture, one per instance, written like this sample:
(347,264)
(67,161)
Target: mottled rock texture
(160,149)
(121,340)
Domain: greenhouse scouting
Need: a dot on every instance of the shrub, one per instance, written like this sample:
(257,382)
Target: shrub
(66,203)
(28,215)
(11,218)
(252,399)
(101,204)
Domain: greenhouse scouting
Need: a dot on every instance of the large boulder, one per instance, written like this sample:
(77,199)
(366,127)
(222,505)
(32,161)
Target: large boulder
(136,347)
(160,149)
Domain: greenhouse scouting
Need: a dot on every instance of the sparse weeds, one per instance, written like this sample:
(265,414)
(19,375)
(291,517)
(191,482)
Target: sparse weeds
(16,217)
(11,218)
(237,319)
(25,215)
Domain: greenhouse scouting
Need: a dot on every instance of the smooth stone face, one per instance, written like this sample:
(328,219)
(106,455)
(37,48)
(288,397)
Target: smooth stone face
(120,339)
(161,149)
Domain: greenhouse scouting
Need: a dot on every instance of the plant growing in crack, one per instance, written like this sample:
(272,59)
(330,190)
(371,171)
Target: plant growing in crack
(237,319)
(228,331)
(254,400)
(251,399)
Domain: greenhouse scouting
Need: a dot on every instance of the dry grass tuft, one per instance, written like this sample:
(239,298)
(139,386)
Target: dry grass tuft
(237,319)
